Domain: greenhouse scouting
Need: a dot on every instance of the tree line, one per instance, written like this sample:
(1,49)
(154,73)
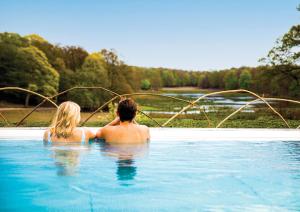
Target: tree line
(33,63)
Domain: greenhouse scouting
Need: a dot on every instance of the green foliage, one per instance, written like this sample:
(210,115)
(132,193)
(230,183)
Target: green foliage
(33,68)
(116,72)
(13,39)
(154,77)
(294,89)
(74,57)
(42,118)
(145,85)
(32,87)
(245,79)
(231,80)
(203,81)
(91,74)
(168,78)
(112,108)
(284,58)
(54,53)
(194,78)
(33,61)
(132,76)
(23,65)
(286,50)
(35,38)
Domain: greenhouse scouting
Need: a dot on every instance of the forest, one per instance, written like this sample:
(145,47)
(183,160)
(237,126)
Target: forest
(33,63)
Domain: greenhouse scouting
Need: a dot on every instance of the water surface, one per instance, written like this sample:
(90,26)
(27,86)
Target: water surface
(163,175)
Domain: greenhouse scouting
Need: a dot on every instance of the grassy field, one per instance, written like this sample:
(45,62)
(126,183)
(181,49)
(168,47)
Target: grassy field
(262,118)
(243,120)
(43,117)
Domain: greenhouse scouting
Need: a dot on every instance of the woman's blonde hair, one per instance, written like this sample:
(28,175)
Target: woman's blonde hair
(66,119)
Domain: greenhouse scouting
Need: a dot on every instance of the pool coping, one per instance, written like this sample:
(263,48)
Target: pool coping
(177,134)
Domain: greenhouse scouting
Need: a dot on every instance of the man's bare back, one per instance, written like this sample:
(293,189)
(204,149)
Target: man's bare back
(125,132)
(124,129)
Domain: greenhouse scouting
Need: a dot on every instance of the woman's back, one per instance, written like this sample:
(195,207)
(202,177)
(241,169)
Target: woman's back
(64,125)
(78,135)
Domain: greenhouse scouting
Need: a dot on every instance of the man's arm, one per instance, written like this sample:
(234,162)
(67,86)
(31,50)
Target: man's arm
(101,132)
(115,122)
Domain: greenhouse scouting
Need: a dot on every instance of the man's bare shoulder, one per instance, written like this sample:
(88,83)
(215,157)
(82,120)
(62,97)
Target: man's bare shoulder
(144,127)
(145,130)
(109,128)
(104,131)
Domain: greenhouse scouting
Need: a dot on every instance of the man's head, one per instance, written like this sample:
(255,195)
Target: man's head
(127,110)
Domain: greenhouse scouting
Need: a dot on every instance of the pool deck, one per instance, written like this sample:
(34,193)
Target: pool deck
(178,134)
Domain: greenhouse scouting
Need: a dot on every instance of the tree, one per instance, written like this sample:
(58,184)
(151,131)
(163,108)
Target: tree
(92,74)
(132,76)
(231,80)
(154,77)
(194,77)
(54,53)
(32,87)
(116,69)
(213,79)
(245,79)
(26,67)
(168,78)
(22,65)
(13,39)
(203,81)
(35,71)
(145,85)
(285,58)
(74,57)
(286,50)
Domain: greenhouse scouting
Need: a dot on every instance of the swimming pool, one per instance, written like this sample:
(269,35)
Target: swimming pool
(180,169)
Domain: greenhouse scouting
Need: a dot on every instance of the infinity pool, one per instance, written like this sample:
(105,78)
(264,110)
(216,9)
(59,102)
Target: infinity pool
(179,170)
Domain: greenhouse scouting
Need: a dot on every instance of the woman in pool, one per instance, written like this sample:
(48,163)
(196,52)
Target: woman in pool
(64,125)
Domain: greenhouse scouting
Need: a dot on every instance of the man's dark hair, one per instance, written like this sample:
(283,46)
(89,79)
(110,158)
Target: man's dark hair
(127,109)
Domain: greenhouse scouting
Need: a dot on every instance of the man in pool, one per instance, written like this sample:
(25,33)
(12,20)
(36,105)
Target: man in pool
(123,129)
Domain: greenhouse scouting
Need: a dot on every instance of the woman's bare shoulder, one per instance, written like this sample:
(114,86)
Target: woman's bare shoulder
(89,133)
(45,137)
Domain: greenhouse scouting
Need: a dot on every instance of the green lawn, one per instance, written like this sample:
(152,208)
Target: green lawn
(243,120)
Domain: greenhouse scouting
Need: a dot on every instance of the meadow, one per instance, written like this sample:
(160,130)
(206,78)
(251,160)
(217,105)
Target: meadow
(161,109)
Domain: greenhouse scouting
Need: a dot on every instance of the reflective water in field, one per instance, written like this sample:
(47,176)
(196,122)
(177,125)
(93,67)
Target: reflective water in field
(216,99)
(162,175)
(210,103)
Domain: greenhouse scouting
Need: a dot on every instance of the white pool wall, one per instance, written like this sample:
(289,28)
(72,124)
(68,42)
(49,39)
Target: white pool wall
(178,134)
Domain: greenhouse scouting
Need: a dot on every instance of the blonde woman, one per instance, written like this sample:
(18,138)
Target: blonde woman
(64,125)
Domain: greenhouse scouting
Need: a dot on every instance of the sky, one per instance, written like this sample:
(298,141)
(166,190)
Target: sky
(182,34)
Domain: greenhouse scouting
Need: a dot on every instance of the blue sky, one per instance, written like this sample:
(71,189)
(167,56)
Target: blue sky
(186,34)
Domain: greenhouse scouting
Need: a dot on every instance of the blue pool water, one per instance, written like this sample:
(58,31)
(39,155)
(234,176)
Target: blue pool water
(163,175)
